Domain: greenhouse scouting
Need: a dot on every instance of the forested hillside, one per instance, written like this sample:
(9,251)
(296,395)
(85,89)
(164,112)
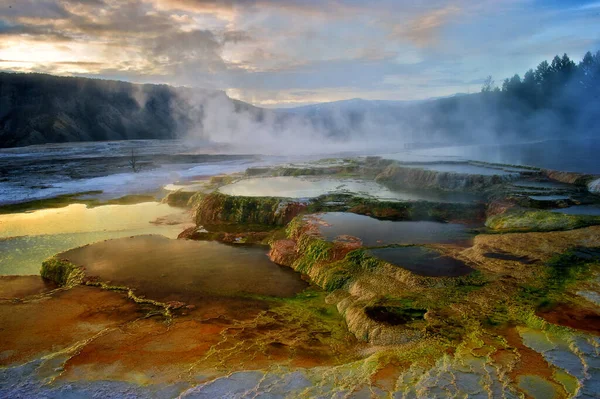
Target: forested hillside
(559,99)
(36,108)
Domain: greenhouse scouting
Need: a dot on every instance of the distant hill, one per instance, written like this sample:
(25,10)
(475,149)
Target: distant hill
(558,100)
(460,118)
(38,108)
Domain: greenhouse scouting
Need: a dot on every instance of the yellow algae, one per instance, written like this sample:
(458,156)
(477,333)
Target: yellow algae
(538,388)
(569,383)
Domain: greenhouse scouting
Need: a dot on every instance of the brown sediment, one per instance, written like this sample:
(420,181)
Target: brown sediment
(222,336)
(498,207)
(150,350)
(283,252)
(188,233)
(578,179)
(533,246)
(344,244)
(507,256)
(218,322)
(109,337)
(250,237)
(575,317)
(55,322)
(340,250)
(528,361)
(19,287)
(387,376)
(183,218)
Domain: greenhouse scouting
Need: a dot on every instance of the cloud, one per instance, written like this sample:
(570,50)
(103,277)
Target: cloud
(589,6)
(424,29)
(236,36)
(257,48)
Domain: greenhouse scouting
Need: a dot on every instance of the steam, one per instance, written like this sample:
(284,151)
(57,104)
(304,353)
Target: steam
(594,186)
(365,126)
(249,129)
(492,117)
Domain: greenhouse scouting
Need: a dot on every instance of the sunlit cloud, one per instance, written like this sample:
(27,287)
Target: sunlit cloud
(291,52)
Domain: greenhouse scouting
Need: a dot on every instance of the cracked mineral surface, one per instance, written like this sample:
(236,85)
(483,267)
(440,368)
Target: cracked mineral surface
(336,294)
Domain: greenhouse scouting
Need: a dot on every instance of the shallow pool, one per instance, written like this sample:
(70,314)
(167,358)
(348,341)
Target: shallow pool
(374,232)
(422,261)
(28,238)
(310,187)
(546,185)
(182,270)
(549,197)
(463,168)
(591,210)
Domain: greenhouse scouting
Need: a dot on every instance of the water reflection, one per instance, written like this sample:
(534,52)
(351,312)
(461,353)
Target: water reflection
(423,261)
(306,187)
(181,270)
(375,232)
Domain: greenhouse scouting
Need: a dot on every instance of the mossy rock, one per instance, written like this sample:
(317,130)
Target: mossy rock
(538,220)
(398,210)
(178,198)
(62,272)
(318,262)
(398,175)
(567,268)
(217,208)
(561,274)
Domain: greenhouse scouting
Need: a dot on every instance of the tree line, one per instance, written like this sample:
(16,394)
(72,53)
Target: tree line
(552,82)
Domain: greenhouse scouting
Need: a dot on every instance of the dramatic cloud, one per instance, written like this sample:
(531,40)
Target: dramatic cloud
(275,52)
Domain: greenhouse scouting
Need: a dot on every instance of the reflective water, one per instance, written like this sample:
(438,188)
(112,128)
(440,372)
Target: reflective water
(566,155)
(463,168)
(422,261)
(549,197)
(45,171)
(592,210)
(307,187)
(550,185)
(77,218)
(181,270)
(23,286)
(27,239)
(375,232)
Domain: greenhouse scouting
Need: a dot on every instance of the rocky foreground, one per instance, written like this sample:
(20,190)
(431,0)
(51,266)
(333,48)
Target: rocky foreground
(394,280)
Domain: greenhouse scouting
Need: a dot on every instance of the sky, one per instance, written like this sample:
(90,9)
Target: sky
(286,53)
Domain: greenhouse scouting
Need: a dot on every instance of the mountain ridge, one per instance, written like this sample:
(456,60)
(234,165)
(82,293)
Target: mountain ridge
(41,108)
